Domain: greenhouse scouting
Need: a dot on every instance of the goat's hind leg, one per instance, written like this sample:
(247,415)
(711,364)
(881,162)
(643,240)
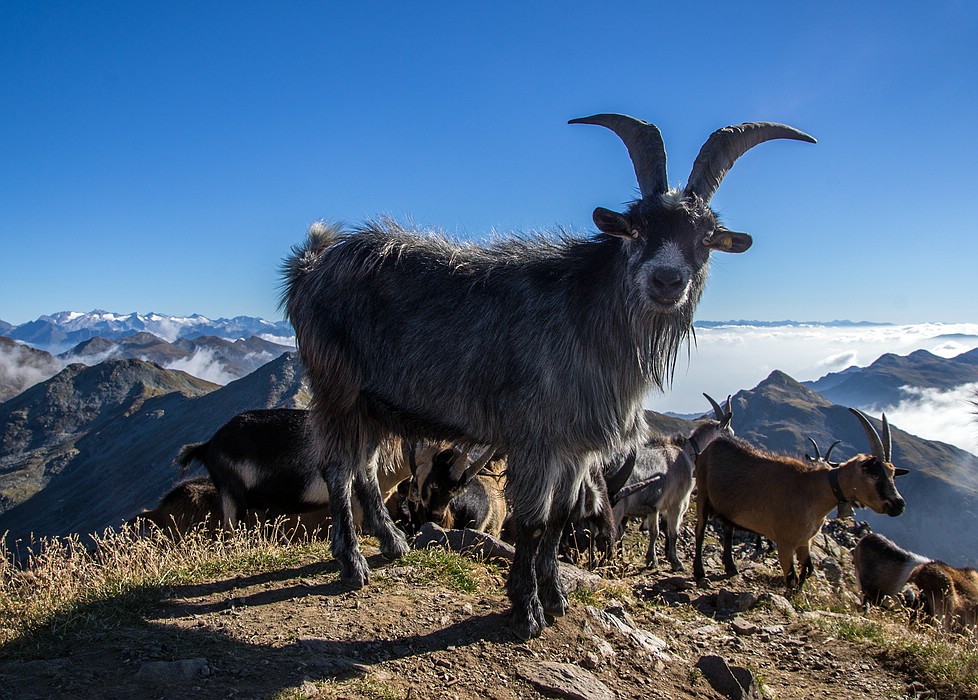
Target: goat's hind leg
(339,475)
(376,518)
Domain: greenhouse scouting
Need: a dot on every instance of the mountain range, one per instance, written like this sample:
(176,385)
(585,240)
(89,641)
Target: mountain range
(91,446)
(888,380)
(237,351)
(61,331)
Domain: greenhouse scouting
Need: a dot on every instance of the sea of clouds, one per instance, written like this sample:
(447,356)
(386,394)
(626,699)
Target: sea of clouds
(728,358)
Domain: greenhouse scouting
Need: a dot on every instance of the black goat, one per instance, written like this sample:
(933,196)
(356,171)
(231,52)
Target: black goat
(578,330)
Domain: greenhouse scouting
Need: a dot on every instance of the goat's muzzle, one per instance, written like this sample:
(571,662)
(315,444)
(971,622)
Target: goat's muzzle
(894,506)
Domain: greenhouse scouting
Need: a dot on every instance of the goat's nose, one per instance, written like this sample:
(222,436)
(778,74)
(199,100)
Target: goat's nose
(668,280)
(896,507)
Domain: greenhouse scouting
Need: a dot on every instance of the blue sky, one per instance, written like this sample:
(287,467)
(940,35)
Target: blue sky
(166,156)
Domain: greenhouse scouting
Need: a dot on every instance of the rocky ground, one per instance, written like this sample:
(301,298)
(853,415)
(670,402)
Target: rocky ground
(634,633)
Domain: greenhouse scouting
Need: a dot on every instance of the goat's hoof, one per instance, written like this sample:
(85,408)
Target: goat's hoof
(355,574)
(677,566)
(526,627)
(554,604)
(395,548)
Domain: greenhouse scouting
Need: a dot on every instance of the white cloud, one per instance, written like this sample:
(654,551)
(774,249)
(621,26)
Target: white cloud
(727,359)
(948,416)
(203,365)
(18,370)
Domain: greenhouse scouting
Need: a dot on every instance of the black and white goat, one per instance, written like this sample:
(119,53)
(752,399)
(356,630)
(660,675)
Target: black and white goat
(262,460)
(662,481)
(579,329)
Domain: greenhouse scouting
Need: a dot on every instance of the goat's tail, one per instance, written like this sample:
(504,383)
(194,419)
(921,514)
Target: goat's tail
(190,453)
(321,235)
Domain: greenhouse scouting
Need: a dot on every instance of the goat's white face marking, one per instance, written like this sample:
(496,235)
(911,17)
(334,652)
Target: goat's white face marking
(666,277)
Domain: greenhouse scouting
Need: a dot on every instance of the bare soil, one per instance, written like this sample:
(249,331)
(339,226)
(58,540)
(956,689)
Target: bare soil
(299,633)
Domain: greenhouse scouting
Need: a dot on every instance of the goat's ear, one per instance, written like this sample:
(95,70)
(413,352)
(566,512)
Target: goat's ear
(613,223)
(900,471)
(728,241)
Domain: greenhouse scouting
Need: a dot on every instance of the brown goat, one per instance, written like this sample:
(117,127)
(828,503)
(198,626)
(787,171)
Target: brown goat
(196,503)
(948,594)
(784,499)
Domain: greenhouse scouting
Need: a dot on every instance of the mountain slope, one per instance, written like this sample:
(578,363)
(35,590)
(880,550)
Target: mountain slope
(42,426)
(22,366)
(124,460)
(880,384)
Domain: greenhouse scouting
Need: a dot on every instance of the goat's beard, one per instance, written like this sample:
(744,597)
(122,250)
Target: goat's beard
(666,332)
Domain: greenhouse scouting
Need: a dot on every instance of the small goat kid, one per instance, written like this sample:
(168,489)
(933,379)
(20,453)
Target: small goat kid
(784,499)
(580,330)
(662,481)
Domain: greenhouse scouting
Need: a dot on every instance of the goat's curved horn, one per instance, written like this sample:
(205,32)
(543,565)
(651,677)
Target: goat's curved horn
(818,452)
(874,438)
(479,464)
(645,148)
(460,460)
(725,146)
(828,452)
(887,440)
(716,407)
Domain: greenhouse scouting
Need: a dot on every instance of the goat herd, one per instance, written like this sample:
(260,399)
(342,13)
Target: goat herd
(555,342)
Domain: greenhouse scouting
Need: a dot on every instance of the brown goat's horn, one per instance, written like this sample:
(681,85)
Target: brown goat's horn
(716,407)
(874,438)
(887,440)
(818,452)
(725,146)
(645,148)
(828,452)
(479,464)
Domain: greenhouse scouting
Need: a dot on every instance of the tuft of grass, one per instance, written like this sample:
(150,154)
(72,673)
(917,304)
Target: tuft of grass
(444,568)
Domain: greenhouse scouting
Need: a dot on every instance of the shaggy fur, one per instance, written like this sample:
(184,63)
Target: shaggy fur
(882,567)
(543,347)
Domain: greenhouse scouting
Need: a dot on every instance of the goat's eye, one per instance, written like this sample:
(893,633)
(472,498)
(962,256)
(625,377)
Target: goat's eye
(635,233)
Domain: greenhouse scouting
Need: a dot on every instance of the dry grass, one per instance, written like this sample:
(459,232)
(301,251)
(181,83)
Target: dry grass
(65,585)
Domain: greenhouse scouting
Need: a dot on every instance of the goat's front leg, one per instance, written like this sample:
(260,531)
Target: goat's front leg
(652,525)
(549,589)
(672,537)
(526,617)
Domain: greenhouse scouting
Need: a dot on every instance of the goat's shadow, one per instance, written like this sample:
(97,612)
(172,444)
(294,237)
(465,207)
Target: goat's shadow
(179,601)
